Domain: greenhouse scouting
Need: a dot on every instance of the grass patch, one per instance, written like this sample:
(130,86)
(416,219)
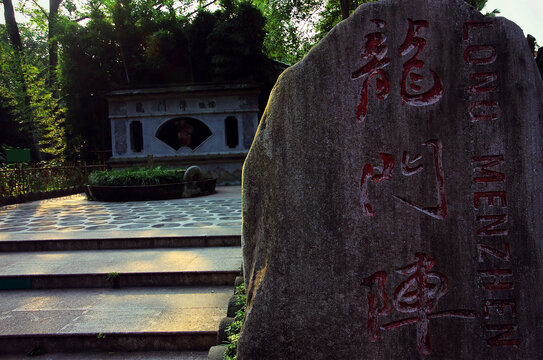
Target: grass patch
(234,329)
(136,176)
(112,276)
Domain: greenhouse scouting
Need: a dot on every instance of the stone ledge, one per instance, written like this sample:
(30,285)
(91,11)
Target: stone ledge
(151,192)
(40,195)
(110,342)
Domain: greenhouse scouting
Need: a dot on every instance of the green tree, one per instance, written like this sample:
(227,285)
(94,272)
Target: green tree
(14,81)
(52,18)
(201,27)
(14,133)
(289,25)
(142,42)
(478,4)
(294,26)
(333,13)
(235,45)
(89,66)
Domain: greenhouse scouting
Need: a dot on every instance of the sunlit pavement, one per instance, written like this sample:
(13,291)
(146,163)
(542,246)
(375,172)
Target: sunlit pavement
(154,277)
(76,217)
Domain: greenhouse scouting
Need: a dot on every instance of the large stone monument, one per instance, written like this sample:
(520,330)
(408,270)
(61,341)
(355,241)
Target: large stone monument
(392,198)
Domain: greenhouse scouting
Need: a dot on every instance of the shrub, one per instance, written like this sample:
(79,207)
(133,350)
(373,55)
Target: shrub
(234,329)
(136,176)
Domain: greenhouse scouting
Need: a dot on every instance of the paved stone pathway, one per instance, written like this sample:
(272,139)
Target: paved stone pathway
(75,213)
(175,263)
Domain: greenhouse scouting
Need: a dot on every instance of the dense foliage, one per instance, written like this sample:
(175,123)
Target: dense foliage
(136,176)
(58,107)
(137,43)
(233,331)
(56,68)
(294,26)
(29,115)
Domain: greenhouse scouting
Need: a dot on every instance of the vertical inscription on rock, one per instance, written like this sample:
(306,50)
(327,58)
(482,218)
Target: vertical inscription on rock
(495,273)
(483,82)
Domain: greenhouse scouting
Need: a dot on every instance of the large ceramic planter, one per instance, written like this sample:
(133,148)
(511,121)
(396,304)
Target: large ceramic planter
(151,192)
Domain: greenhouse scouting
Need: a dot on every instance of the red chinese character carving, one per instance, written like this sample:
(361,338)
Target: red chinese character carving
(375,51)
(411,90)
(379,279)
(407,170)
(440,210)
(369,174)
(419,294)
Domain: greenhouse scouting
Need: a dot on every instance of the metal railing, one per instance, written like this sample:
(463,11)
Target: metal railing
(29,179)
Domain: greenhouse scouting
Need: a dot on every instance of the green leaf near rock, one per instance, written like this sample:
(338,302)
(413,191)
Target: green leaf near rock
(234,329)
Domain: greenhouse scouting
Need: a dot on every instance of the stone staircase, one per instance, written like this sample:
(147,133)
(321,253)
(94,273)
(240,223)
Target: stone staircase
(115,297)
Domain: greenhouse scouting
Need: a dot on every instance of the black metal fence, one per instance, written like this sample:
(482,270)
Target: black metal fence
(29,179)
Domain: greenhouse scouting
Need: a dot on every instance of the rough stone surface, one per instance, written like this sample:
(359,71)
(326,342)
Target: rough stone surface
(119,130)
(248,131)
(539,60)
(148,355)
(233,306)
(216,352)
(222,334)
(193,173)
(355,246)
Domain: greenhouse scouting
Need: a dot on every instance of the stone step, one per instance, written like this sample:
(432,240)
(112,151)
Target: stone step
(149,355)
(34,242)
(199,278)
(111,320)
(120,268)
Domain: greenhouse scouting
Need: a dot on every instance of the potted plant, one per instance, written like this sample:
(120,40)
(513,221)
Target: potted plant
(139,184)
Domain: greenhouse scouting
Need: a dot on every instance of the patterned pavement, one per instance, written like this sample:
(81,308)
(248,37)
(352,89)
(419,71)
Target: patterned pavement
(75,214)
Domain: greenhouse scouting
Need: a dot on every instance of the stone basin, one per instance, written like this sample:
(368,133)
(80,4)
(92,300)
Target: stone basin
(151,192)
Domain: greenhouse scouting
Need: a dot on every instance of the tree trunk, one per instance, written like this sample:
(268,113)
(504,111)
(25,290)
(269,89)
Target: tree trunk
(344,8)
(11,25)
(53,45)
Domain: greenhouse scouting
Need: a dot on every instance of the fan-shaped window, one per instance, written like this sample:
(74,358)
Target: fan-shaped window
(183,132)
